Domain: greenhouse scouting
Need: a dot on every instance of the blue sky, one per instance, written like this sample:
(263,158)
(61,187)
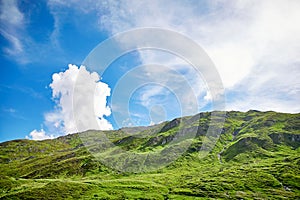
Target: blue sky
(254,46)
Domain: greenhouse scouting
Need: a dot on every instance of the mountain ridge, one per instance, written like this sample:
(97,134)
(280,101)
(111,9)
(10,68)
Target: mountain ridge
(255,156)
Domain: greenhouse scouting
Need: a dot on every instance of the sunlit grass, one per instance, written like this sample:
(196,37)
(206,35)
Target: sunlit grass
(248,162)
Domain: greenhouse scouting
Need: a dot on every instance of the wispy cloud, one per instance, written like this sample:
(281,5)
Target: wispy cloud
(254,45)
(12,22)
(9,110)
(12,112)
(23,45)
(247,41)
(26,90)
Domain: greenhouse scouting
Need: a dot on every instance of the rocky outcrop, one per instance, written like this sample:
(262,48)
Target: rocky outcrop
(286,138)
(172,124)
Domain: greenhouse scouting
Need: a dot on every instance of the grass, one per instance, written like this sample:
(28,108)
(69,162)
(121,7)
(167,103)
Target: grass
(256,157)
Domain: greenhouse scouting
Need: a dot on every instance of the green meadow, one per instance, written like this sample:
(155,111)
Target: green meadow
(257,156)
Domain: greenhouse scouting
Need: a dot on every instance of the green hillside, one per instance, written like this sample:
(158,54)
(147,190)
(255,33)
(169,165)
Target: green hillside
(256,157)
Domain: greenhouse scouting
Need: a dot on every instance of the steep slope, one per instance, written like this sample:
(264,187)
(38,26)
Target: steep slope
(256,157)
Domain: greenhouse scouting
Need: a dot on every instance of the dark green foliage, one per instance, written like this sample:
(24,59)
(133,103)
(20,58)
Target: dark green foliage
(256,157)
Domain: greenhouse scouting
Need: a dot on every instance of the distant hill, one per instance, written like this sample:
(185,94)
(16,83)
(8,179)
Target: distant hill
(257,156)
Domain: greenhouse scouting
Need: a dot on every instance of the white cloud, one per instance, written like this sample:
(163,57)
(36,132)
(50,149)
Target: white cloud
(10,13)
(185,81)
(75,90)
(22,44)
(12,21)
(208,96)
(254,45)
(39,135)
(239,36)
(81,104)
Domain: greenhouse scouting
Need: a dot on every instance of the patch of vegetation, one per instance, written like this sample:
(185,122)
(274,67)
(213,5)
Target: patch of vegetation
(256,157)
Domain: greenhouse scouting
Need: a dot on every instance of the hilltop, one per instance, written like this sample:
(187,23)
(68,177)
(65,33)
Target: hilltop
(255,157)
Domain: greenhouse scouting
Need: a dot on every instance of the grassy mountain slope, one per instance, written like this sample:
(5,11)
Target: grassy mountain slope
(256,157)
